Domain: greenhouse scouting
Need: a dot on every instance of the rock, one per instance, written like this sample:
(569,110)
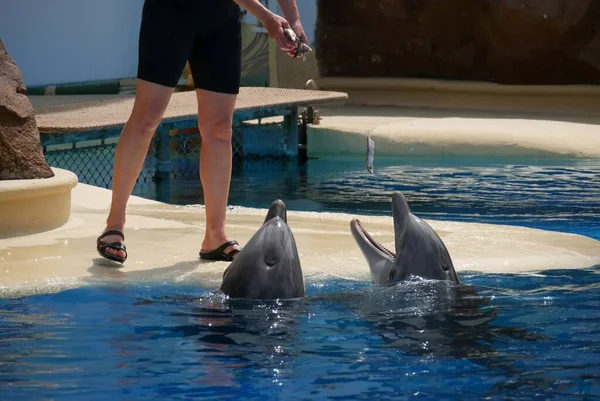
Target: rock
(21,155)
(505,41)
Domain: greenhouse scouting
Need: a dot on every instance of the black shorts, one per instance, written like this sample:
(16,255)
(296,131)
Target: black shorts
(207,33)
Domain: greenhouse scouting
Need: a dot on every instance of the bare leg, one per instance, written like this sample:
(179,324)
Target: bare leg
(150,103)
(215,116)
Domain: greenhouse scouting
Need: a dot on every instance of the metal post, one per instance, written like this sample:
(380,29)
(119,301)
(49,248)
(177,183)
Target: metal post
(163,156)
(290,127)
(302,138)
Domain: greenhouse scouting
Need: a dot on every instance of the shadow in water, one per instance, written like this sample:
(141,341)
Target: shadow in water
(428,319)
(434,319)
(229,335)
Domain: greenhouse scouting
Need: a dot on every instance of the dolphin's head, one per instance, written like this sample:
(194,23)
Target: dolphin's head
(419,251)
(268,267)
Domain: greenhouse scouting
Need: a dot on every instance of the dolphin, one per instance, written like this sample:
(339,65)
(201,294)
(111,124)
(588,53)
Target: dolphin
(268,267)
(419,252)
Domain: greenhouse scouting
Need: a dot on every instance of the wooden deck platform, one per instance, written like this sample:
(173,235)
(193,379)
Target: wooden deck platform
(79,117)
(94,122)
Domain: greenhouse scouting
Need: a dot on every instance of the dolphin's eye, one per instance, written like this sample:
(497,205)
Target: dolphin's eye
(271,260)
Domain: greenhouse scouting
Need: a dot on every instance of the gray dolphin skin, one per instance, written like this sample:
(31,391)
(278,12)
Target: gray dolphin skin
(419,252)
(268,267)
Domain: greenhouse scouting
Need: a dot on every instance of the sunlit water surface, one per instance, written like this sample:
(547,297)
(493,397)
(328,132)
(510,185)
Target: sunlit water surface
(495,336)
(553,194)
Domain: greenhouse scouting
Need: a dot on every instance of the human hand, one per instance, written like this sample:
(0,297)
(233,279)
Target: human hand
(275,26)
(298,29)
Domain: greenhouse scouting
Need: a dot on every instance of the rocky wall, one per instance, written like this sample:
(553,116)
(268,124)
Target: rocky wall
(527,42)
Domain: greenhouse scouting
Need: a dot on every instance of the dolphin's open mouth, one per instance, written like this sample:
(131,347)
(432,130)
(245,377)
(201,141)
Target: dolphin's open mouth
(373,241)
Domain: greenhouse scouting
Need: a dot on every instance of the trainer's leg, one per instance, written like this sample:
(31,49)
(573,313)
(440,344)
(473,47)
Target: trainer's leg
(215,117)
(215,62)
(150,103)
(166,38)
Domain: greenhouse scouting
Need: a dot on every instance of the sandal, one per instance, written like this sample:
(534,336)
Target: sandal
(101,246)
(218,254)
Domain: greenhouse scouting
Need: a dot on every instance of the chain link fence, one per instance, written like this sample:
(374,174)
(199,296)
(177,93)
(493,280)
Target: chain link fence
(92,161)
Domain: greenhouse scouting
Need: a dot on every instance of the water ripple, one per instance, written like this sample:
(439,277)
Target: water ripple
(561,195)
(494,336)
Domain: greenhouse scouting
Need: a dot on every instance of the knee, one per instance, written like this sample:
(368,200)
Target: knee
(146,122)
(216,131)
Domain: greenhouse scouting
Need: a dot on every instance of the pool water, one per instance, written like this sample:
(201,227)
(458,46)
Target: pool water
(552,194)
(492,337)
(495,336)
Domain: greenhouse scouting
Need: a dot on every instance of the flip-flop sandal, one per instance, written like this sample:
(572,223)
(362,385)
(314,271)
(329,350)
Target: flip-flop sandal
(102,246)
(218,254)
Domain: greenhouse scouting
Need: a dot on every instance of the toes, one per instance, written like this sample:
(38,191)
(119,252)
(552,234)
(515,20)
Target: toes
(231,248)
(115,252)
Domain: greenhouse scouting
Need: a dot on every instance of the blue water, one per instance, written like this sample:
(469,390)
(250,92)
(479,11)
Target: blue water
(495,336)
(552,194)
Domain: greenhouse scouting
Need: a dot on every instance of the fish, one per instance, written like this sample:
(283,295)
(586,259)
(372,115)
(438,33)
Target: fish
(370,156)
(302,48)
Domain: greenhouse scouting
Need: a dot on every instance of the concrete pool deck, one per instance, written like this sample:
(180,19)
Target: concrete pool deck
(420,131)
(404,131)
(163,242)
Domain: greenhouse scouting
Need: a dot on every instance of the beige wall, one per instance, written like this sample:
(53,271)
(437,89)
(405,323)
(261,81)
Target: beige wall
(293,73)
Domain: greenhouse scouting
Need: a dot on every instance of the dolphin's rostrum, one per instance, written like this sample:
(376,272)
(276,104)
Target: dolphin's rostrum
(420,252)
